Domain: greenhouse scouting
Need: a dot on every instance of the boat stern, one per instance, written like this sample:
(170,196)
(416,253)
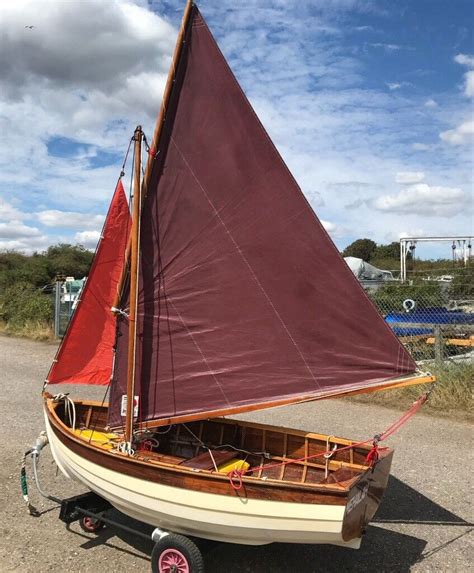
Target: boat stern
(365,497)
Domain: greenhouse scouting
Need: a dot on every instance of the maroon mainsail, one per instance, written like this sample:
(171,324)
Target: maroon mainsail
(243,298)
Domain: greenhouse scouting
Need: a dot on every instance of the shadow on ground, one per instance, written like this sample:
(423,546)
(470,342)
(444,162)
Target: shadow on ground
(381,550)
(403,504)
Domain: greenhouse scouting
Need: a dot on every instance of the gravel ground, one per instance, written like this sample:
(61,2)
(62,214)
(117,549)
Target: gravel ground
(424,523)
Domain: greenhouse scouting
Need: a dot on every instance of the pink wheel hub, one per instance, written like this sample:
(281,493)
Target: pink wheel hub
(91,522)
(173,561)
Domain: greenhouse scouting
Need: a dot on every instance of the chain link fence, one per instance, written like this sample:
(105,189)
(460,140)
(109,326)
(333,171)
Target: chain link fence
(65,295)
(433,318)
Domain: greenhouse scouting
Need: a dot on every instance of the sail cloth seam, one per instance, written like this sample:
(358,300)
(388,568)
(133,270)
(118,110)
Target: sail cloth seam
(244,258)
(350,274)
(211,371)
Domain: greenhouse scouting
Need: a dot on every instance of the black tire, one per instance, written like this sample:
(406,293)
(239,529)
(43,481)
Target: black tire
(90,524)
(185,548)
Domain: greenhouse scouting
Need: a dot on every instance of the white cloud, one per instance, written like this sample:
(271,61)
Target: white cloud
(397,85)
(396,235)
(465,60)
(430,103)
(17,230)
(335,230)
(69,219)
(420,146)
(417,232)
(15,235)
(409,176)
(330,227)
(387,47)
(461,134)
(9,211)
(88,72)
(87,239)
(469,83)
(423,199)
(26,244)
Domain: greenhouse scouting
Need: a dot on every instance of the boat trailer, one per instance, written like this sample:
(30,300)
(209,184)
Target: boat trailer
(172,552)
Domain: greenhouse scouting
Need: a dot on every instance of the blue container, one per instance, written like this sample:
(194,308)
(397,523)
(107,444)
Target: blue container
(432,315)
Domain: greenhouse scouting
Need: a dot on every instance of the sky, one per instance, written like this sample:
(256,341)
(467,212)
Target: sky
(370,103)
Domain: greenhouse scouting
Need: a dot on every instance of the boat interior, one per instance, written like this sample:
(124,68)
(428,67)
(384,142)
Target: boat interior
(221,445)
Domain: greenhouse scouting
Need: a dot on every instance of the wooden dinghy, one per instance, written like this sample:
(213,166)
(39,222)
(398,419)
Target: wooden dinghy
(178,483)
(220,293)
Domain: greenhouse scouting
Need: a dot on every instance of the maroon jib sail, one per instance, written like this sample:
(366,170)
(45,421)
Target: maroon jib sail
(244,301)
(86,353)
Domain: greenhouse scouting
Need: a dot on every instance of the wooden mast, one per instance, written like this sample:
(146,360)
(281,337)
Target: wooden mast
(134,255)
(157,134)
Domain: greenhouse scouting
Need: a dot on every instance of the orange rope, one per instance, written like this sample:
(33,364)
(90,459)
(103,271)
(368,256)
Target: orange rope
(372,455)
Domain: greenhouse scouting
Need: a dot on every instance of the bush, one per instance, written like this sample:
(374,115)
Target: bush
(22,303)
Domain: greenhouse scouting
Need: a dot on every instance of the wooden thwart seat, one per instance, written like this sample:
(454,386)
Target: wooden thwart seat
(205,461)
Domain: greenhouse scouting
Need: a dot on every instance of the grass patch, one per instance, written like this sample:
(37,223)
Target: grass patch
(451,397)
(34,330)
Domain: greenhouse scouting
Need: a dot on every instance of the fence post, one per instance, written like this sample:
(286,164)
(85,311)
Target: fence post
(439,345)
(57,307)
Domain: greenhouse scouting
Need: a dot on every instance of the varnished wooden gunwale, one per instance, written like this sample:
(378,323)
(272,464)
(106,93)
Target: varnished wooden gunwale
(353,458)
(169,474)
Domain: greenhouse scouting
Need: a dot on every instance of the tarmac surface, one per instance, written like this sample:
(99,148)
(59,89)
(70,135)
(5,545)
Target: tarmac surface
(424,523)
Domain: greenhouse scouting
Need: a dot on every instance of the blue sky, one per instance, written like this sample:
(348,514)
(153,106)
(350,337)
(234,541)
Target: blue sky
(369,102)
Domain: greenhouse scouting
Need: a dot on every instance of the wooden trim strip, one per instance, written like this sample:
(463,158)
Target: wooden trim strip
(284,458)
(306,454)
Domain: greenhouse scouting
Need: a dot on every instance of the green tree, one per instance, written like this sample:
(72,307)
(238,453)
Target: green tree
(361,248)
(391,251)
(69,260)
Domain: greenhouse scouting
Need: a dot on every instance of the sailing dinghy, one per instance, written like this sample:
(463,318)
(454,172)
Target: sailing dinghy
(220,293)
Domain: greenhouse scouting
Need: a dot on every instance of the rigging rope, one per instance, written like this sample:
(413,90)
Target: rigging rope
(371,458)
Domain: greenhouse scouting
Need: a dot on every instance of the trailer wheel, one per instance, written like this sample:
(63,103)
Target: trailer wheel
(176,554)
(91,524)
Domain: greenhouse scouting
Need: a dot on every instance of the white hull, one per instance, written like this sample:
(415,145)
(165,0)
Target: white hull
(207,515)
